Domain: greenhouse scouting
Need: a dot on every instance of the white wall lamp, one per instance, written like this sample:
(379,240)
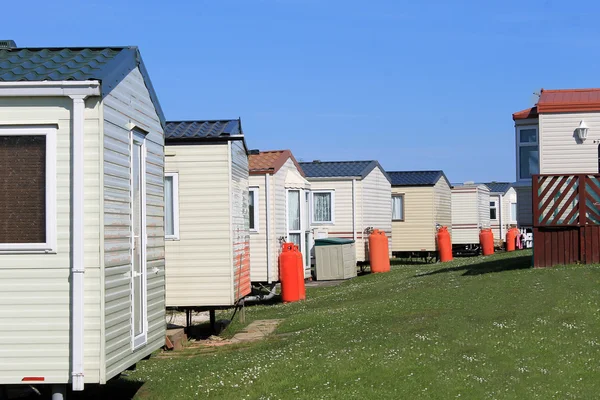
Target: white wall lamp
(582,131)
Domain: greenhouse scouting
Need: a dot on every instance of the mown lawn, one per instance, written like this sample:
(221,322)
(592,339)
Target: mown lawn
(474,328)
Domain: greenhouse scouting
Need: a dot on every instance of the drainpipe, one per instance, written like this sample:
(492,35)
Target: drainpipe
(501,219)
(77,225)
(354,210)
(268,225)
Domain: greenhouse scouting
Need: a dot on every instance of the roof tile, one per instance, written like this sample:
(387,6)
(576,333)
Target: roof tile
(183,130)
(339,169)
(415,178)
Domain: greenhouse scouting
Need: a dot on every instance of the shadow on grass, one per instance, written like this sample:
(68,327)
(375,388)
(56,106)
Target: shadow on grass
(116,389)
(487,267)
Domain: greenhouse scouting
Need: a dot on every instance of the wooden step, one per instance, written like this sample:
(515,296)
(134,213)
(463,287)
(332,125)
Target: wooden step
(177,337)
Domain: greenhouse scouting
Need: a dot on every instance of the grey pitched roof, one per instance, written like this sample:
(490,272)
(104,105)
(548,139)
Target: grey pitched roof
(498,187)
(203,130)
(415,178)
(109,65)
(339,169)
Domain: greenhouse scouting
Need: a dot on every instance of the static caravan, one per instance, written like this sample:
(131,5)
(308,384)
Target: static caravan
(347,197)
(421,201)
(279,200)
(503,209)
(81,156)
(470,213)
(206,229)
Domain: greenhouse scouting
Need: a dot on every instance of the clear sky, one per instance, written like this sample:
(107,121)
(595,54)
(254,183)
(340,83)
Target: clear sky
(413,84)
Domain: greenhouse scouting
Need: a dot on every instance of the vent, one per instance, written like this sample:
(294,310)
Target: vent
(8,44)
(469,183)
(254,151)
(316,161)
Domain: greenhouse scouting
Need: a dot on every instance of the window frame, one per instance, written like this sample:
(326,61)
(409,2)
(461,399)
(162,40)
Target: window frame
(175,236)
(403,207)
(535,144)
(513,218)
(50,246)
(494,207)
(312,206)
(255,193)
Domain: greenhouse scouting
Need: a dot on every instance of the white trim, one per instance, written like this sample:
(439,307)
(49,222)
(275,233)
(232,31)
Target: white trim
(268,224)
(77,240)
(495,207)
(141,339)
(175,178)
(529,144)
(50,88)
(255,194)
(513,218)
(312,206)
(50,245)
(354,210)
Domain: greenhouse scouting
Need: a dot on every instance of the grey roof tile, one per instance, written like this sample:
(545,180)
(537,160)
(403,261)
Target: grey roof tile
(200,130)
(415,178)
(109,65)
(498,187)
(339,169)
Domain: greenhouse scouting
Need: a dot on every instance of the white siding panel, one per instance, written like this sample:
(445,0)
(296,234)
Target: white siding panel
(524,206)
(35,288)
(128,103)
(377,203)
(470,212)
(560,151)
(417,231)
(258,240)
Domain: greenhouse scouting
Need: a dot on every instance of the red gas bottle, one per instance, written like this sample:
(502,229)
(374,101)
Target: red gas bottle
(444,244)
(379,252)
(511,239)
(288,273)
(486,238)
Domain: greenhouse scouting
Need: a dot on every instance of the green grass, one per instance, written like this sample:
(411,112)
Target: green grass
(474,328)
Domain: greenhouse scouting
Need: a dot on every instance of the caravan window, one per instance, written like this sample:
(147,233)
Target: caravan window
(253,208)
(323,207)
(27,189)
(172,206)
(398,207)
(493,210)
(527,152)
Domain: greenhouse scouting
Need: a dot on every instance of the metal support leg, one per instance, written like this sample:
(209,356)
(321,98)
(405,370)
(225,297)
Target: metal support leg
(59,392)
(213,320)
(3,393)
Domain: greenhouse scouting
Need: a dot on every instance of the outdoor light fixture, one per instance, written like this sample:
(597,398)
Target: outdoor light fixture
(582,131)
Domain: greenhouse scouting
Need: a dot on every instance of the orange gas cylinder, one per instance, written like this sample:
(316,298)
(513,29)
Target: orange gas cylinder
(486,238)
(444,244)
(379,252)
(300,261)
(511,239)
(288,273)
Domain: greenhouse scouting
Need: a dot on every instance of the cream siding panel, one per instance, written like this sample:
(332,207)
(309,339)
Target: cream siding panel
(495,224)
(129,102)
(524,206)
(34,300)
(377,203)
(258,240)
(560,151)
(417,231)
(239,221)
(199,264)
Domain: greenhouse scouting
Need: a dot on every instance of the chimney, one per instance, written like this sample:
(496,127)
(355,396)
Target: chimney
(7,44)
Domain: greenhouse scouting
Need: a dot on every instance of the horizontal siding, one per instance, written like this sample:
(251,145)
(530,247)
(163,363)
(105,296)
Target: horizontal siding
(377,203)
(258,240)
(129,103)
(417,231)
(443,204)
(524,206)
(470,211)
(560,151)
(199,264)
(239,220)
(35,288)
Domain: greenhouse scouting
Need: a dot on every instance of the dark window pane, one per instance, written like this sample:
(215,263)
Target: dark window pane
(23,189)
(251,208)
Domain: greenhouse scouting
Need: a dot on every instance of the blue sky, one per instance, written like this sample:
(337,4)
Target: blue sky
(415,85)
